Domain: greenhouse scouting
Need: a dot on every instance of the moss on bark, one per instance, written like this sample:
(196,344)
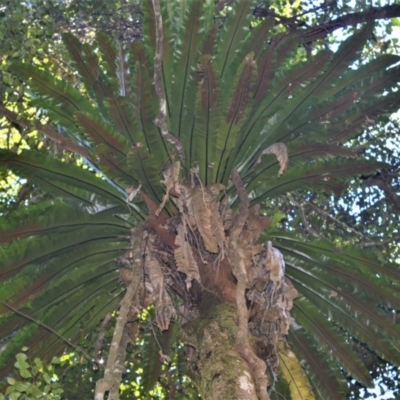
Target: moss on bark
(216,366)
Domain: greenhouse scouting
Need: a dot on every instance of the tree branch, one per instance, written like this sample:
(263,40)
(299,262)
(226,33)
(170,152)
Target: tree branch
(309,35)
(379,243)
(161,119)
(100,338)
(387,188)
(110,382)
(119,367)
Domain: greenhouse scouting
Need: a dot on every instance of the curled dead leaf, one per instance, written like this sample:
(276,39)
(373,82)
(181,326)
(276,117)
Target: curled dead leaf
(208,219)
(281,153)
(275,264)
(165,310)
(184,259)
(285,303)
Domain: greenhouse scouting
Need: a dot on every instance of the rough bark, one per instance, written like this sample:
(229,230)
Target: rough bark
(216,365)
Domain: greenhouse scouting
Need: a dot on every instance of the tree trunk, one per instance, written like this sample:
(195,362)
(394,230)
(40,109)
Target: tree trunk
(214,362)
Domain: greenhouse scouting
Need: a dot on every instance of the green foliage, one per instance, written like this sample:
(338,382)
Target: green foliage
(37,381)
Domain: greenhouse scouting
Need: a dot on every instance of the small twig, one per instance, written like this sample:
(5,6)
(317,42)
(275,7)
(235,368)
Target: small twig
(368,242)
(338,222)
(171,384)
(303,218)
(161,119)
(378,243)
(100,338)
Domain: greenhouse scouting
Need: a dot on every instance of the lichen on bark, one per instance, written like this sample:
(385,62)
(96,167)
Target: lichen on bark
(215,365)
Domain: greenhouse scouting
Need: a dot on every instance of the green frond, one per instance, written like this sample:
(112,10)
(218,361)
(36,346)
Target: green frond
(351,298)
(277,119)
(271,117)
(265,74)
(109,55)
(330,339)
(236,112)
(61,97)
(151,359)
(66,288)
(286,48)
(184,74)
(145,110)
(360,259)
(357,95)
(356,79)
(100,133)
(149,29)
(346,54)
(208,47)
(109,148)
(87,64)
(333,109)
(326,380)
(74,318)
(112,166)
(259,38)
(26,252)
(208,112)
(122,116)
(233,34)
(48,218)
(264,182)
(156,341)
(49,286)
(354,121)
(47,171)
(147,168)
(346,314)
(305,150)
(301,74)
